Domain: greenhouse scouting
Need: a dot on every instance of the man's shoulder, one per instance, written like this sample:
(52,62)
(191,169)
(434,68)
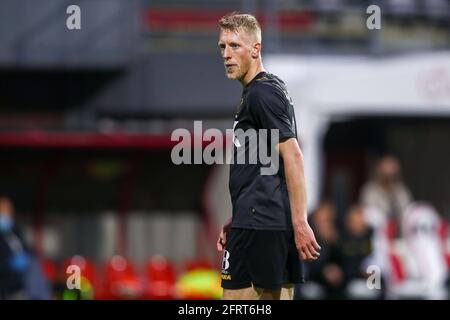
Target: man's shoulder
(268,80)
(265,87)
(371,189)
(369,186)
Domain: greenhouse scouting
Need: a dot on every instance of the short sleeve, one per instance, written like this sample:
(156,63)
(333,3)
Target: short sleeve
(270,109)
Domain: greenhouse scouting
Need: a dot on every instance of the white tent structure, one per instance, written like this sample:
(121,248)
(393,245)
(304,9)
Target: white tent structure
(327,88)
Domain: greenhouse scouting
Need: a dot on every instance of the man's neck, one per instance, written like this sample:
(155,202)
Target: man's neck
(253,71)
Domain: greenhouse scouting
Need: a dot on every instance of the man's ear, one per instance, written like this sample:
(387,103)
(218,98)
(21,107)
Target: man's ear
(256,50)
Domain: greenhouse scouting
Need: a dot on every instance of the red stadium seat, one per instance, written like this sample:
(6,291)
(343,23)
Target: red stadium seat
(160,278)
(50,270)
(121,280)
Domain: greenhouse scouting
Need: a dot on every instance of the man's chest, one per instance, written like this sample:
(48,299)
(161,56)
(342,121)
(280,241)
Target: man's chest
(243,120)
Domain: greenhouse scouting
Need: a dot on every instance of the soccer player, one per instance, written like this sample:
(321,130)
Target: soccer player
(268,235)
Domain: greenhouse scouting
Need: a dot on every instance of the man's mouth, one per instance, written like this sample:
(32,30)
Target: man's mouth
(229,65)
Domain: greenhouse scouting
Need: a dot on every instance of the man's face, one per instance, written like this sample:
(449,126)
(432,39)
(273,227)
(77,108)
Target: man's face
(388,170)
(355,222)
(6,215)
(6,208)
(236,50)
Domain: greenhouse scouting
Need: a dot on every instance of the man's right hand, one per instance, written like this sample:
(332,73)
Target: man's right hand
(223,236)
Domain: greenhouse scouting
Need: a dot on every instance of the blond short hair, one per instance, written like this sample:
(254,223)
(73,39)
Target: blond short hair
(241,21)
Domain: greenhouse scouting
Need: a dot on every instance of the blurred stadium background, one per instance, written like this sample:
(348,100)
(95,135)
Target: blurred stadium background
(86,117)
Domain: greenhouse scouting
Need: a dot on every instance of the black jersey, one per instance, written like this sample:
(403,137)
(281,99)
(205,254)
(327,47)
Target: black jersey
(261,201)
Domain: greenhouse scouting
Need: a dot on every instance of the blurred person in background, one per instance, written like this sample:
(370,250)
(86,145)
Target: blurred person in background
(425,258)
(21,273)
(269,230)
(386,191)
(14,254)
(357,249)
(327,271)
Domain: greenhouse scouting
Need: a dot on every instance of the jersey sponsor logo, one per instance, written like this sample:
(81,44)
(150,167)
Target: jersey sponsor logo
(226,277)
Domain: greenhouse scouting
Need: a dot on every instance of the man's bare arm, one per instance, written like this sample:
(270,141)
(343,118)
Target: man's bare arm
(295,179)
(222,240)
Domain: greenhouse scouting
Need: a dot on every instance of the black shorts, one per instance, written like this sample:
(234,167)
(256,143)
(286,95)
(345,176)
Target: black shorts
(263,258)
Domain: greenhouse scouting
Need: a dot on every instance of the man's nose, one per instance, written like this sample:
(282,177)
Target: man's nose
(227,53)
